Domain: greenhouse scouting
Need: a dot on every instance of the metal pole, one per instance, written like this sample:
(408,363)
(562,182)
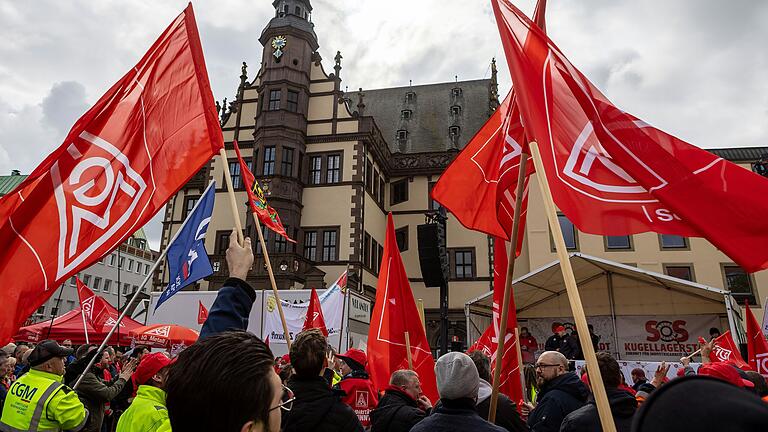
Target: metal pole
(119,270)
(443,318)
(55,311)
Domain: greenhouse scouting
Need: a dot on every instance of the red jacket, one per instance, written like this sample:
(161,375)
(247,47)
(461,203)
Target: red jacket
(360,395)
(528,347)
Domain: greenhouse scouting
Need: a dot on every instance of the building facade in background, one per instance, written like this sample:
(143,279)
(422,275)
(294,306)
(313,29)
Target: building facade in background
(333,163)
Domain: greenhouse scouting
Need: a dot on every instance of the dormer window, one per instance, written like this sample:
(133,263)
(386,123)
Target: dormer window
(406,114)
(402,135)
(410,97)
(456,92)
(453,131)
(298,11)
(456,110)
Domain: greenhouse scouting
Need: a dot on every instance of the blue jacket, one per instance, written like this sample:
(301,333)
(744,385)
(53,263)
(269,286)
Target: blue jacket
(455,416)
(231,308)
(557,399)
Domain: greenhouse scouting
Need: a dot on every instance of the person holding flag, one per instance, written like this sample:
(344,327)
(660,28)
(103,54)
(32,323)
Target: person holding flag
(360,393)
(187,258)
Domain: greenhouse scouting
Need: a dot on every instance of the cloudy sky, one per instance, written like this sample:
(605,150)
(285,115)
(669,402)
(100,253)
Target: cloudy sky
(695,68)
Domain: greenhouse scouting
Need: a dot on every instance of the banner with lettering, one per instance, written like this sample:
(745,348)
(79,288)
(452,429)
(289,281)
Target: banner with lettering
(662,337)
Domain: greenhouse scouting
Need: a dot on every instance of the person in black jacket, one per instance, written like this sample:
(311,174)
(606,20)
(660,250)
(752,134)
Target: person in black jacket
(561,392)
(556,341)
(403,404)
(506,409)
(623,405)
(317,407)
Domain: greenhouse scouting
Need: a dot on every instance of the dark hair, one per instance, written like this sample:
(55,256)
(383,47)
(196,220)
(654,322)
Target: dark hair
(714,330)
(82,350)
(529,372)
(483,364)
(308,353)
(761,387)
(220,383)
(609,369)
(138,349)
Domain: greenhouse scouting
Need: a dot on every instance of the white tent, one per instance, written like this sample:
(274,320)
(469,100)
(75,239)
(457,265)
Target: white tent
(620,297)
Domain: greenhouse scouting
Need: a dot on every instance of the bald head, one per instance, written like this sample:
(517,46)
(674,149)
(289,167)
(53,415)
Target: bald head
(550,365)
(553,357)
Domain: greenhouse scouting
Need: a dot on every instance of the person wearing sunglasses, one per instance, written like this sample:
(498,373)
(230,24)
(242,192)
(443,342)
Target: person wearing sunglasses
(561,392)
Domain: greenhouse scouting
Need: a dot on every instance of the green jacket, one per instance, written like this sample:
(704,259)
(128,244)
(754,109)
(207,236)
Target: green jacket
(94,393)
(38,401)
(147,412)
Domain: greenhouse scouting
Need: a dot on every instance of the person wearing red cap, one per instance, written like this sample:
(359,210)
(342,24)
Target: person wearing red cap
(557,340)
(147,411)
(360,394)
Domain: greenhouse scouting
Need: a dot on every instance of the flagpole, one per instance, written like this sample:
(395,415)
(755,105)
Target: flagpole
(580,319)
(272,281)
(135,296)
(520,369)
(85,326)
(501,339)
(56,310)
(231,193)
(343,308)
(408,350)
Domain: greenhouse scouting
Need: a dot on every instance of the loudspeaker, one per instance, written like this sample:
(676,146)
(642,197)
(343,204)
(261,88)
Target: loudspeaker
(433,258)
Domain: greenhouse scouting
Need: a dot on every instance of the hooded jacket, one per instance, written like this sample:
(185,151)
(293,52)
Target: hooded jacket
(397,412)
(586,419)
(456,415)
(557,399)
(359,394)
(506,410)
(318,408)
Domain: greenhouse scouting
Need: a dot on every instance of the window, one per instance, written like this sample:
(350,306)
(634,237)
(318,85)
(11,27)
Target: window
(456,110)
(401,237)
(293,101)
(375,258)
(402,135)
(375,184)
(433,205)
(73,281)
(570,235)
(399,192)
(456,92)
(146,269)
(684,272)
(673,241)
(315,169)
(463,264)
(367,250)
(298,11)
(406,114)
(130,265)
(739,283)
(334,168)
(121,264)
(286,164)
(87,279)
(111,260)
(41,310)
(269,161)
(135,288)
(70,305)
(281,244)
(381,191)
(454,131)
(618,242)
(410,96)
(234,172)
(274,100)
(329,245)
(190,201)
(107,285)
(368,175)
(265,233)
(222,242)
(310,245)
(96,284)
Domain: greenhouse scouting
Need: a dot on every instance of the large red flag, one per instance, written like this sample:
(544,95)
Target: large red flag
(480,186)
(725,350)
(202,313)
(613,174)
(757,345)
(394,314)
(314,318)
(267,215)
(120,163)
(95,308)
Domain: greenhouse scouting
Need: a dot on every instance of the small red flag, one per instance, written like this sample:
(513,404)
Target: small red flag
(725,350)
(202,313)
(95,308)
(757,345)
(314,318)
(146,137)
(394,314)
(267,215)
(613,174)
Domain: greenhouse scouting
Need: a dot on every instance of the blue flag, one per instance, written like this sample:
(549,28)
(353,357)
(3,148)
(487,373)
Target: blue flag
(187,259)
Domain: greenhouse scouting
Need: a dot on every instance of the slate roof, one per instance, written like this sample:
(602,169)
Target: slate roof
(9,183)
(431,114)
(741,154)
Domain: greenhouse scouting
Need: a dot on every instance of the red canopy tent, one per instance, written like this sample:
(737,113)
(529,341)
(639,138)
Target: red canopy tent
(70,326)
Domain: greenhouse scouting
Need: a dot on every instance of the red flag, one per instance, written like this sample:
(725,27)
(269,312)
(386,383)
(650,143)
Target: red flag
(121,162)
(95,308)
(394,314)
(202,313)
(613,174)
(757,346)
(314,318)
(724,349)
(267,215)
(479,187)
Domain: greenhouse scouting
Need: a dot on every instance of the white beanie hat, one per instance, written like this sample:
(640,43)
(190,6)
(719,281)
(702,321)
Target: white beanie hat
(457,376)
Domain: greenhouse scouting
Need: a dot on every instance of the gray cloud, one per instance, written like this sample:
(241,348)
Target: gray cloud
(63,105)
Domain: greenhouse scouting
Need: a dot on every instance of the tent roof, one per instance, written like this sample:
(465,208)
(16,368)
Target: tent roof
(606,288)
(70,326)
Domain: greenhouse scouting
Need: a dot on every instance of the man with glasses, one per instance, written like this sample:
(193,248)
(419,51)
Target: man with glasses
(561,392)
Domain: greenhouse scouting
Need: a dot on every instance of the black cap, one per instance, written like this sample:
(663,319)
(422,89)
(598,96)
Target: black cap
(47,350)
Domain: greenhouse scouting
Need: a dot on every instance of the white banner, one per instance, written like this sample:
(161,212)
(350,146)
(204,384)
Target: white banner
(662,337)
(331,302)
(648,367)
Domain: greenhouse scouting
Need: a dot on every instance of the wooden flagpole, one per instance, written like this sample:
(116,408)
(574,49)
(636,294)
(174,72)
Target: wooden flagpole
(85,327)
(239,226)
(520,369)
(420,307)
(501,339)
(580,319)
(408,350)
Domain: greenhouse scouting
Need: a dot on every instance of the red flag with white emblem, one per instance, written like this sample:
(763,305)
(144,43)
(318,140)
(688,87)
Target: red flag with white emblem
(314,318)
(395,313)
(202,313)
(613,174)
(757,345)
(95,308)
(120,163)
(725,350)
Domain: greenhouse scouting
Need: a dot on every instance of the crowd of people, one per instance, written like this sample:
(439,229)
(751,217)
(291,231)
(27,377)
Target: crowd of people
(230,381)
